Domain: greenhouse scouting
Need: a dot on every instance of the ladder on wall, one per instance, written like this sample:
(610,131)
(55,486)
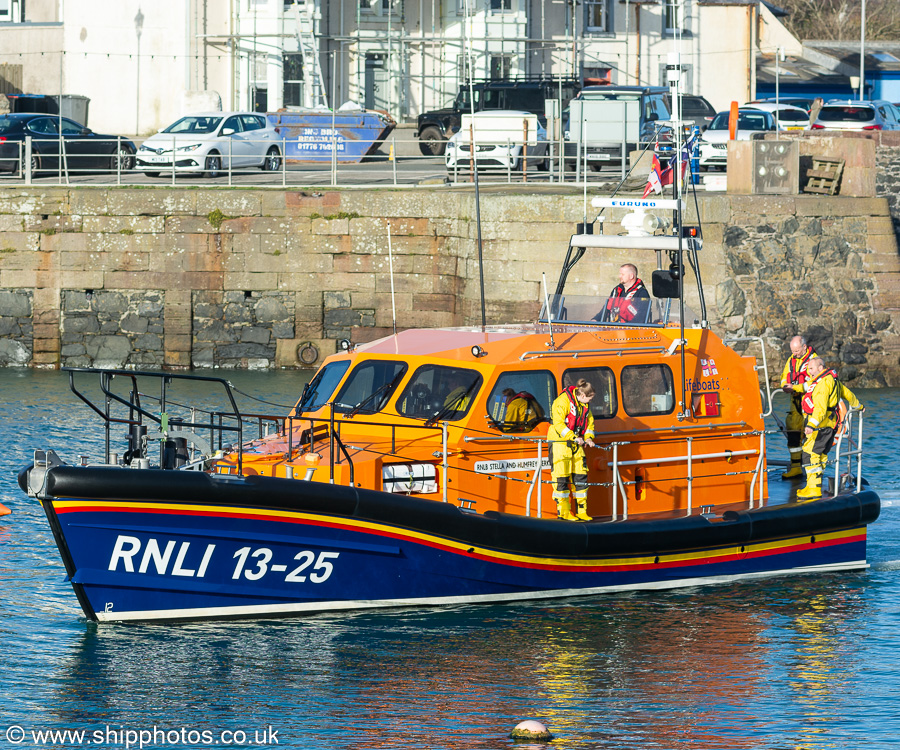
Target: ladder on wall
(314,95)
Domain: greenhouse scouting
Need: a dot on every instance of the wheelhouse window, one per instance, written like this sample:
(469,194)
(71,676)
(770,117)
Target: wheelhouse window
(648,390)
(598,16)
(320,388)
(605,403)
(369,387)
(519,401)
(437,392)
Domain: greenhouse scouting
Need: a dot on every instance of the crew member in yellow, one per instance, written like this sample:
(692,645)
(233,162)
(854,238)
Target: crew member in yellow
(820,405)
(792,380)
(522,410)
(571,429)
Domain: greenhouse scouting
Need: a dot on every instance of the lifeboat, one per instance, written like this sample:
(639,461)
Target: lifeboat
(404,477)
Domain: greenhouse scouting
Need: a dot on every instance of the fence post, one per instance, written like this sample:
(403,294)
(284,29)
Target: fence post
(230,158)
(26,160)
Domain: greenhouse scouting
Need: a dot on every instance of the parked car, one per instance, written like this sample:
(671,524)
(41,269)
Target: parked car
(496,136)
(804,102)
(81,148)
(211,142)
(696,111)
(434,128)
(858,115)
(787,116)
(714,140)
(652,126)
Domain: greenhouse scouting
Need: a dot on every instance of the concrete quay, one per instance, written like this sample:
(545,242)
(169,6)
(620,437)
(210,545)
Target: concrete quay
(245,278)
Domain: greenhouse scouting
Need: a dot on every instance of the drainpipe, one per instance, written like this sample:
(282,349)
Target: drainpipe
(637,44)
(751,51)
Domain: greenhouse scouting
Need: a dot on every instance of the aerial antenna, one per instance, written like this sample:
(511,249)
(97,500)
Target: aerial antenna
(472,154)
(547,307)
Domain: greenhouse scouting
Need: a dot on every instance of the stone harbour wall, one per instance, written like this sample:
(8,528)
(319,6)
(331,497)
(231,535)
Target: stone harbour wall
(252,278)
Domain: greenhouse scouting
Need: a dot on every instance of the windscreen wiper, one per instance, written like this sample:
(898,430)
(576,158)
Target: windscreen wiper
(355,410)
(452,406)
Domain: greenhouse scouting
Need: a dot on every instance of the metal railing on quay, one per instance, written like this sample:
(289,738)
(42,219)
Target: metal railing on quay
(276,163)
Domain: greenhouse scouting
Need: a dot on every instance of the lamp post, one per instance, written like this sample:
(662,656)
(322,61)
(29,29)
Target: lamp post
(138,26)
(862,50)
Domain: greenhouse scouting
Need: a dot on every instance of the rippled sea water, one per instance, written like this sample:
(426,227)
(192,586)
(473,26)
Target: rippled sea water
(799,662)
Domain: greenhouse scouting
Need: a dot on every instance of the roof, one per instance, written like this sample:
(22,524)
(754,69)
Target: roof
(884,56)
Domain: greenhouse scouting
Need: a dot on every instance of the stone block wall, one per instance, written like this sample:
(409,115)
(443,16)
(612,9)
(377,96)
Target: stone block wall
(175,278)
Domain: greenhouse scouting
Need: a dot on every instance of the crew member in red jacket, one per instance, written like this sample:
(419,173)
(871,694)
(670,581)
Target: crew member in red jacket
(629,301)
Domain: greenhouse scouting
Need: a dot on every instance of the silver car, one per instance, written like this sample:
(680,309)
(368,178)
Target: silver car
(858,115)
(211,142)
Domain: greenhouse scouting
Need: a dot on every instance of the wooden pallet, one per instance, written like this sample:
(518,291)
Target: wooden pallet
(824,177)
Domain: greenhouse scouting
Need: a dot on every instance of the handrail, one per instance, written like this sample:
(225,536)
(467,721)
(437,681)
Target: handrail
(578,352)
(764,367)
(849,455)
(107,375)
(618,486)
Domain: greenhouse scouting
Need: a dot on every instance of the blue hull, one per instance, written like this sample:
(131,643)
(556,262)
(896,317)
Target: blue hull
(263,547)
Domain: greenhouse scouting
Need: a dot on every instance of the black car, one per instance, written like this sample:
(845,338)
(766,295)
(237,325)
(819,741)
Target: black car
(521,94)
(82,149)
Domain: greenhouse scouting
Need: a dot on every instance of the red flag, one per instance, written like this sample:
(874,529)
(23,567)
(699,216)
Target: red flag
(654,180)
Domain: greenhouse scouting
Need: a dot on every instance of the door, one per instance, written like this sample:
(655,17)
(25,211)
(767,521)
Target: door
(236,144)
(260,99)
(376,91)
(84,150)
(45,141)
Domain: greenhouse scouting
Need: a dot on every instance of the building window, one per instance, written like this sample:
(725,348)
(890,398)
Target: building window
(673,16)
(501,66)
(292,63)
(11,11)
(374,6)
(498,6)
(598,16)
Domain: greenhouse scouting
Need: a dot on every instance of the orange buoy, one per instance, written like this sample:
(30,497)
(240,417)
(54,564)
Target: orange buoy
(4,511)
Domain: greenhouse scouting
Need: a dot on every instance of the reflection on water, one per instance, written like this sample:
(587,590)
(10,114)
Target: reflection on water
(801,662)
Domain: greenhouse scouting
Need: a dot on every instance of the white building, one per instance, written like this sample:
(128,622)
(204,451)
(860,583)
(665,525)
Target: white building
(143,64)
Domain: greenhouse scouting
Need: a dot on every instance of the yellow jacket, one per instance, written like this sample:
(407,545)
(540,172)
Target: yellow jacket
(794,373)
(520,411)
(823,394)
(561,409)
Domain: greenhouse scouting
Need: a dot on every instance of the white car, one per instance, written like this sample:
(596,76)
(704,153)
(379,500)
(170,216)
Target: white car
(714,140)
(787,116)
(858,115)
(211,142)
(497,133)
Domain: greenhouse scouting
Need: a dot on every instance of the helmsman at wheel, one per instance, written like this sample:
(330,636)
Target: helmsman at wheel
(820,408)
(792,380)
